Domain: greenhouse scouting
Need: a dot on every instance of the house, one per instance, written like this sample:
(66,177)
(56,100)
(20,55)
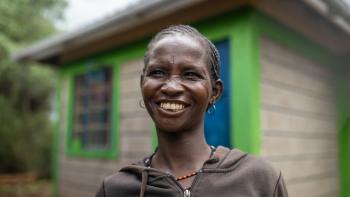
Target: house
(286,74)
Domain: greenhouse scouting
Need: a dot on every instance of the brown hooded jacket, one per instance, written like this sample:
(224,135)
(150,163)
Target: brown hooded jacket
(226,173)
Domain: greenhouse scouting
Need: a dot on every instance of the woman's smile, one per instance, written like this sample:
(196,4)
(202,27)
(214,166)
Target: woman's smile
(172,106)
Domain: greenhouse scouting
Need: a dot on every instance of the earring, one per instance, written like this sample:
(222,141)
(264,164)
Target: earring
(211,109)
(142,104)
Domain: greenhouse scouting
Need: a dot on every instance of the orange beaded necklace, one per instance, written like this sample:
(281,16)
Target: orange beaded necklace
(186,176)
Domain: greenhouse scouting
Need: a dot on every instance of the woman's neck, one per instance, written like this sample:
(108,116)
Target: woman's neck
(181,153)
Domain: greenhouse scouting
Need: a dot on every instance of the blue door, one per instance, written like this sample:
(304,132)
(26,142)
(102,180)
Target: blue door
(217,124)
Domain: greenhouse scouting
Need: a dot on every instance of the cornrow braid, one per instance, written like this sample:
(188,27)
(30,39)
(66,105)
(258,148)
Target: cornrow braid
(213,57)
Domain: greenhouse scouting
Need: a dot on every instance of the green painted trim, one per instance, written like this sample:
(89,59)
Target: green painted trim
(115,115)
(217,28)
(154,137)
(69,116)
(246,85)
(344,131)
(113,57)
(56,139)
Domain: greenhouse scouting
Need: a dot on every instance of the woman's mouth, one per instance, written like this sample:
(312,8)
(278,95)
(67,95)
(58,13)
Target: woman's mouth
(172,106)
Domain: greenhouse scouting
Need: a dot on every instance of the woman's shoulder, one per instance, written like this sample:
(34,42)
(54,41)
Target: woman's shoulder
(257,162)
(251,173)
(119,178)
(252,164)
(118,183)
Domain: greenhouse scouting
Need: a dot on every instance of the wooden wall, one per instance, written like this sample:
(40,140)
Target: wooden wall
(80,177)
(299,120)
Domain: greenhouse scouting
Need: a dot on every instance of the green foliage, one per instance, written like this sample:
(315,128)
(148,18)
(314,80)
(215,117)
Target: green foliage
(24,21)
(25,129)
(25,88)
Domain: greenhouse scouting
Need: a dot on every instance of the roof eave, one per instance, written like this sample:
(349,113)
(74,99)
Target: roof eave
(120,21)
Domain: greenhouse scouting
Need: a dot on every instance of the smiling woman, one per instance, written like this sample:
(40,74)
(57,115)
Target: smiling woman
(180,82)
(177,75)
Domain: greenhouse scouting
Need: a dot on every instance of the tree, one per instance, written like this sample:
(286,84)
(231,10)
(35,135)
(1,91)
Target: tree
(25,88)
(25,21)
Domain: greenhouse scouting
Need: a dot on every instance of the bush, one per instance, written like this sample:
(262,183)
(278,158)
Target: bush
(25,89)
(25,129)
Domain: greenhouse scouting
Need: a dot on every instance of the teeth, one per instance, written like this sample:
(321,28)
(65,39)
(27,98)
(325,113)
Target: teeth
(172,106)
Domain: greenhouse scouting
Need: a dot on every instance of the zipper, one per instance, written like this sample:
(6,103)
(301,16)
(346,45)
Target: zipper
(187,192)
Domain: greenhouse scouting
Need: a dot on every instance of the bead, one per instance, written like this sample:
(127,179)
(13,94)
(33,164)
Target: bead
(186,176)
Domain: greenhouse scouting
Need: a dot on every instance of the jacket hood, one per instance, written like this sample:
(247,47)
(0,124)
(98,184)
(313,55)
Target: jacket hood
(223,159)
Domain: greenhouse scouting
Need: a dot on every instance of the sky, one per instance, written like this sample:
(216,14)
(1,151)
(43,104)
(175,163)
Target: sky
(80,13)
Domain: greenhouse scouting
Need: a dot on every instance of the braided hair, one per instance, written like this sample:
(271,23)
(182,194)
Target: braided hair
(212,54)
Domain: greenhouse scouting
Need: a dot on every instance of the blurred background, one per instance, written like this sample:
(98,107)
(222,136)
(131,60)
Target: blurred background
(69,95)
(27,90)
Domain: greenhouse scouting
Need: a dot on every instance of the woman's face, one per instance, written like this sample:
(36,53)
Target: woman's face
(176,86)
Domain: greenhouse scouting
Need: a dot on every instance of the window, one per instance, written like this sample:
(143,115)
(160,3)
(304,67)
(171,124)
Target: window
(91,128)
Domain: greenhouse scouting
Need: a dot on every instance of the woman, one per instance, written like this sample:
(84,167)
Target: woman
(180,82)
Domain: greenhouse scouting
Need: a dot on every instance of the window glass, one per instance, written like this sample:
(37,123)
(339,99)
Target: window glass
(92,105)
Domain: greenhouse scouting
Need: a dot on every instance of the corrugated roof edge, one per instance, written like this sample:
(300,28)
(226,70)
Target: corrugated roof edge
(57,43)
(336,11)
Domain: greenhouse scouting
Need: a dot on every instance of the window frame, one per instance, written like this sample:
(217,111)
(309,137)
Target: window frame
(72,147)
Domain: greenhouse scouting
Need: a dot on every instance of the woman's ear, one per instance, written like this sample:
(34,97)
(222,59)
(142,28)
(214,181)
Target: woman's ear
(218,89)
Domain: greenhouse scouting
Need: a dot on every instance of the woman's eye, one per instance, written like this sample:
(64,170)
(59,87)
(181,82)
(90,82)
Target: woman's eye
(156,73)
(192,76)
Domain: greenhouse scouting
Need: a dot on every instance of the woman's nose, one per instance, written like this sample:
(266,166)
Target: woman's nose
(172,86)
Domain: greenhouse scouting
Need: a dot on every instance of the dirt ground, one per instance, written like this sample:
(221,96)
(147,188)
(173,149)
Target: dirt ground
(35,189)
(24,186)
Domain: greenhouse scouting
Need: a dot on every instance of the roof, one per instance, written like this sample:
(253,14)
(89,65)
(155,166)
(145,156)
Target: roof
(144,10)
(151,12)
(335,10)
